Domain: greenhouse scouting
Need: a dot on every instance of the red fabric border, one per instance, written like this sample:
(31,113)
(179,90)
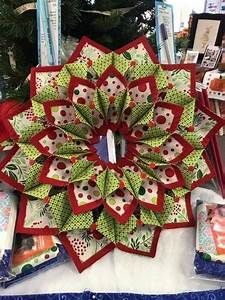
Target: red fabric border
(40,69)
(6,178)
(177,110)
(191,219)
(207,177)
(82,208)
(49,104)
(80,46)
(74,81)
(81,266)
(153,85)
(142,39)
(109,71)
(21,220)
(152,249)
(43,175)
(188,67)
(160,201)
(122,219)
(214,130)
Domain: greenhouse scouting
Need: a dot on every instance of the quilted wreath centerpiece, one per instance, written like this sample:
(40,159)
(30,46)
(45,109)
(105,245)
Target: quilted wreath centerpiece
(107,150)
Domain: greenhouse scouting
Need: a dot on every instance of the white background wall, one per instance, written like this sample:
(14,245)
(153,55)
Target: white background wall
(183,8)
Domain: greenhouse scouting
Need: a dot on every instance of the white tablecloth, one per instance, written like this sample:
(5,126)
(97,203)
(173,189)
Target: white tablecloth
(171,271)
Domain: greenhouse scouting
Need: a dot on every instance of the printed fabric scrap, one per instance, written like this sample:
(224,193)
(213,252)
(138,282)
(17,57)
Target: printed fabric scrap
(33,254)
(107,150)
(210,239)
(8,212)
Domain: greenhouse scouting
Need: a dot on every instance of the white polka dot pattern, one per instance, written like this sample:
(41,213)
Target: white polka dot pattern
(171,149)
(112,86)
(63,114)
(60,169)
(163,117)
(120,201)
(83,94)
(53,140)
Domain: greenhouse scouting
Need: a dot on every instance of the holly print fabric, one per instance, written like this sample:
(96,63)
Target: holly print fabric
(107,150)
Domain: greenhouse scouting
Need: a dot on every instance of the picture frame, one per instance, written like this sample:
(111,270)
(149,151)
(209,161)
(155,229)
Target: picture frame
(191,57)
(206,29)
(211,57)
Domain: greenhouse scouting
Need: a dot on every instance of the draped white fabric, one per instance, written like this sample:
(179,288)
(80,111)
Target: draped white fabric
(171,271)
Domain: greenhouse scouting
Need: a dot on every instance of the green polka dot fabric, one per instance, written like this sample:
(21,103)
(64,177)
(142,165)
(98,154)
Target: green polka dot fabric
(121,102)
(122,230)
(33,175)
(46,94)
(112,146)
(101,101)
(29,150)
(102,63)
(107,182)
(132,182)
(84,114)
(142,114)
(177,97)
(106,226)
(158,219)
(41,191)
(30,131)
(81,170)
(120,63)
(60,209)
(81,221)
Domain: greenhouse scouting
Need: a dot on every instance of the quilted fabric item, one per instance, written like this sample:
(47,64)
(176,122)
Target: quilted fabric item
(108,149)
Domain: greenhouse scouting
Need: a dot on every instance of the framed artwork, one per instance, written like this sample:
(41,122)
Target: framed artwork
(206,29)
(211,57)
(191,57)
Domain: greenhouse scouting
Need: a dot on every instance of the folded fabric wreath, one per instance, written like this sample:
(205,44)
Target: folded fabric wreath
(107,150)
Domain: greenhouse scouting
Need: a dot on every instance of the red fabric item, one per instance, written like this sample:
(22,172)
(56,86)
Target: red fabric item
(6,109)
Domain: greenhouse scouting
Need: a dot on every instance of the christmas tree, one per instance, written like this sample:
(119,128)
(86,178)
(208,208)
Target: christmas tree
(112,23)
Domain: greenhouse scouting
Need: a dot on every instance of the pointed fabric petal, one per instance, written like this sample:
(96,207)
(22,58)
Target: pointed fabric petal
(167,116)
(84,196)
(151,195)
(35,218)
(175,149)
(120,205)
(206,124)
(81,90)
(201,172)
(42,76)
(182,215)
(148,235)
(143,90)
(170,176)
(111,82)
(20,119)
(183,77)
(139,51)
(84,247)
(14,168)
(78,131)
(56,171)
(87,50)
(49,140)
(59,112)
